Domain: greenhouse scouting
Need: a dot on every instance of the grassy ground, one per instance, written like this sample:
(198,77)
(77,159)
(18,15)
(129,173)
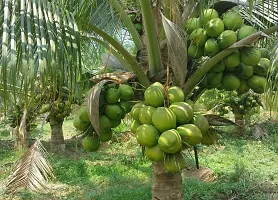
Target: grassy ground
(245,169)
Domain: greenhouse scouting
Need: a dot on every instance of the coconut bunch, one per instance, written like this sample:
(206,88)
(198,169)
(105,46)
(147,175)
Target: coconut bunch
(243,69)
(15,116)
(56,103)
(165,131)
(114,104)
(137,21)
(243,104)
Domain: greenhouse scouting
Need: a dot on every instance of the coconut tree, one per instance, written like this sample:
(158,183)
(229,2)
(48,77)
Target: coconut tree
(167,28)
(40,44)
(48,43)
(42,47)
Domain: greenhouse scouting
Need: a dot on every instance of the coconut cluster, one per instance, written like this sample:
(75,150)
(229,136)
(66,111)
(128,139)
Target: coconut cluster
(243,69)
(137,21)
(242,104)
(166,131)
(57,103)
(114,104)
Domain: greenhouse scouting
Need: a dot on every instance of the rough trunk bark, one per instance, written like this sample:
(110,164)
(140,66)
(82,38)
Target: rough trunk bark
(57,136)
(166,186)
(21,133)
(239,119)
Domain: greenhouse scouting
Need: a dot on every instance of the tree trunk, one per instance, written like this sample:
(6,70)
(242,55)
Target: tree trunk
(239,119)
(21,132)
(165,185)
(57,137)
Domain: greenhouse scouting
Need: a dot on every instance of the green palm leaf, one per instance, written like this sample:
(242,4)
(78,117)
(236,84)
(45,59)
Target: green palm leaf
(33,40)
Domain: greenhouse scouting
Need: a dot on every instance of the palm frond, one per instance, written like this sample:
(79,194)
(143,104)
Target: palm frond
(263,15)
(177,48)
(93,104)
(259,132)
(216,120)
(33,45)
(271,94)
(31,171)
(104,16)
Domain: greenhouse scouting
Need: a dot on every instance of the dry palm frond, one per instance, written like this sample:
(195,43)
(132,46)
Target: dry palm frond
(259,132)
(216,120)
(32,170)
(119,77)
(93,104)
(177,50)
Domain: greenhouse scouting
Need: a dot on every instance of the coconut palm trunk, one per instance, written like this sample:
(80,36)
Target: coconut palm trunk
(165,185)
(57,136)
(239,119)
(21,132)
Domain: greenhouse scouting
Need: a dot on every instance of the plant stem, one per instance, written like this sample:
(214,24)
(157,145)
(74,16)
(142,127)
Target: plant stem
(271,30)
(121,50)
(115,53)
(154,55)
(198,75)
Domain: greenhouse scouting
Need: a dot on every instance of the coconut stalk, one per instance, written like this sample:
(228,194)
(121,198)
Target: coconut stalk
(240,120)
(165,185)
(143,79)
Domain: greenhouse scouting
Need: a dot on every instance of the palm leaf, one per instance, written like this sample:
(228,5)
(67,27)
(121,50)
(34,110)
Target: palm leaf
(216,120)
(152,43)
(262,16)
(128,23)
(31,171)
(177,50)
(5,39)
(117,77)
(93,104)
(124,52)
(32,42)
(271,94)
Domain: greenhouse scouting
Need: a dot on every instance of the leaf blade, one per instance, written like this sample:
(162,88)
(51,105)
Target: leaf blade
(178,50)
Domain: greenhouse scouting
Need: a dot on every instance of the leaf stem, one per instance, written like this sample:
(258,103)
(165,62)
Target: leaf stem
(121,50)
(154,55)
(199,74)
(129,24)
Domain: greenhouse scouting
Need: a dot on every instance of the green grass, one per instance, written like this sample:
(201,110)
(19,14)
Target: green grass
(120,172)
(5,132)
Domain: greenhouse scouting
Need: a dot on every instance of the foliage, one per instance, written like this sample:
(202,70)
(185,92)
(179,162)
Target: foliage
(48,44)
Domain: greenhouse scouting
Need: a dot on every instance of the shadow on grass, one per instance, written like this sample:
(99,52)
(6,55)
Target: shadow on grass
(100,176)
(239,185)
